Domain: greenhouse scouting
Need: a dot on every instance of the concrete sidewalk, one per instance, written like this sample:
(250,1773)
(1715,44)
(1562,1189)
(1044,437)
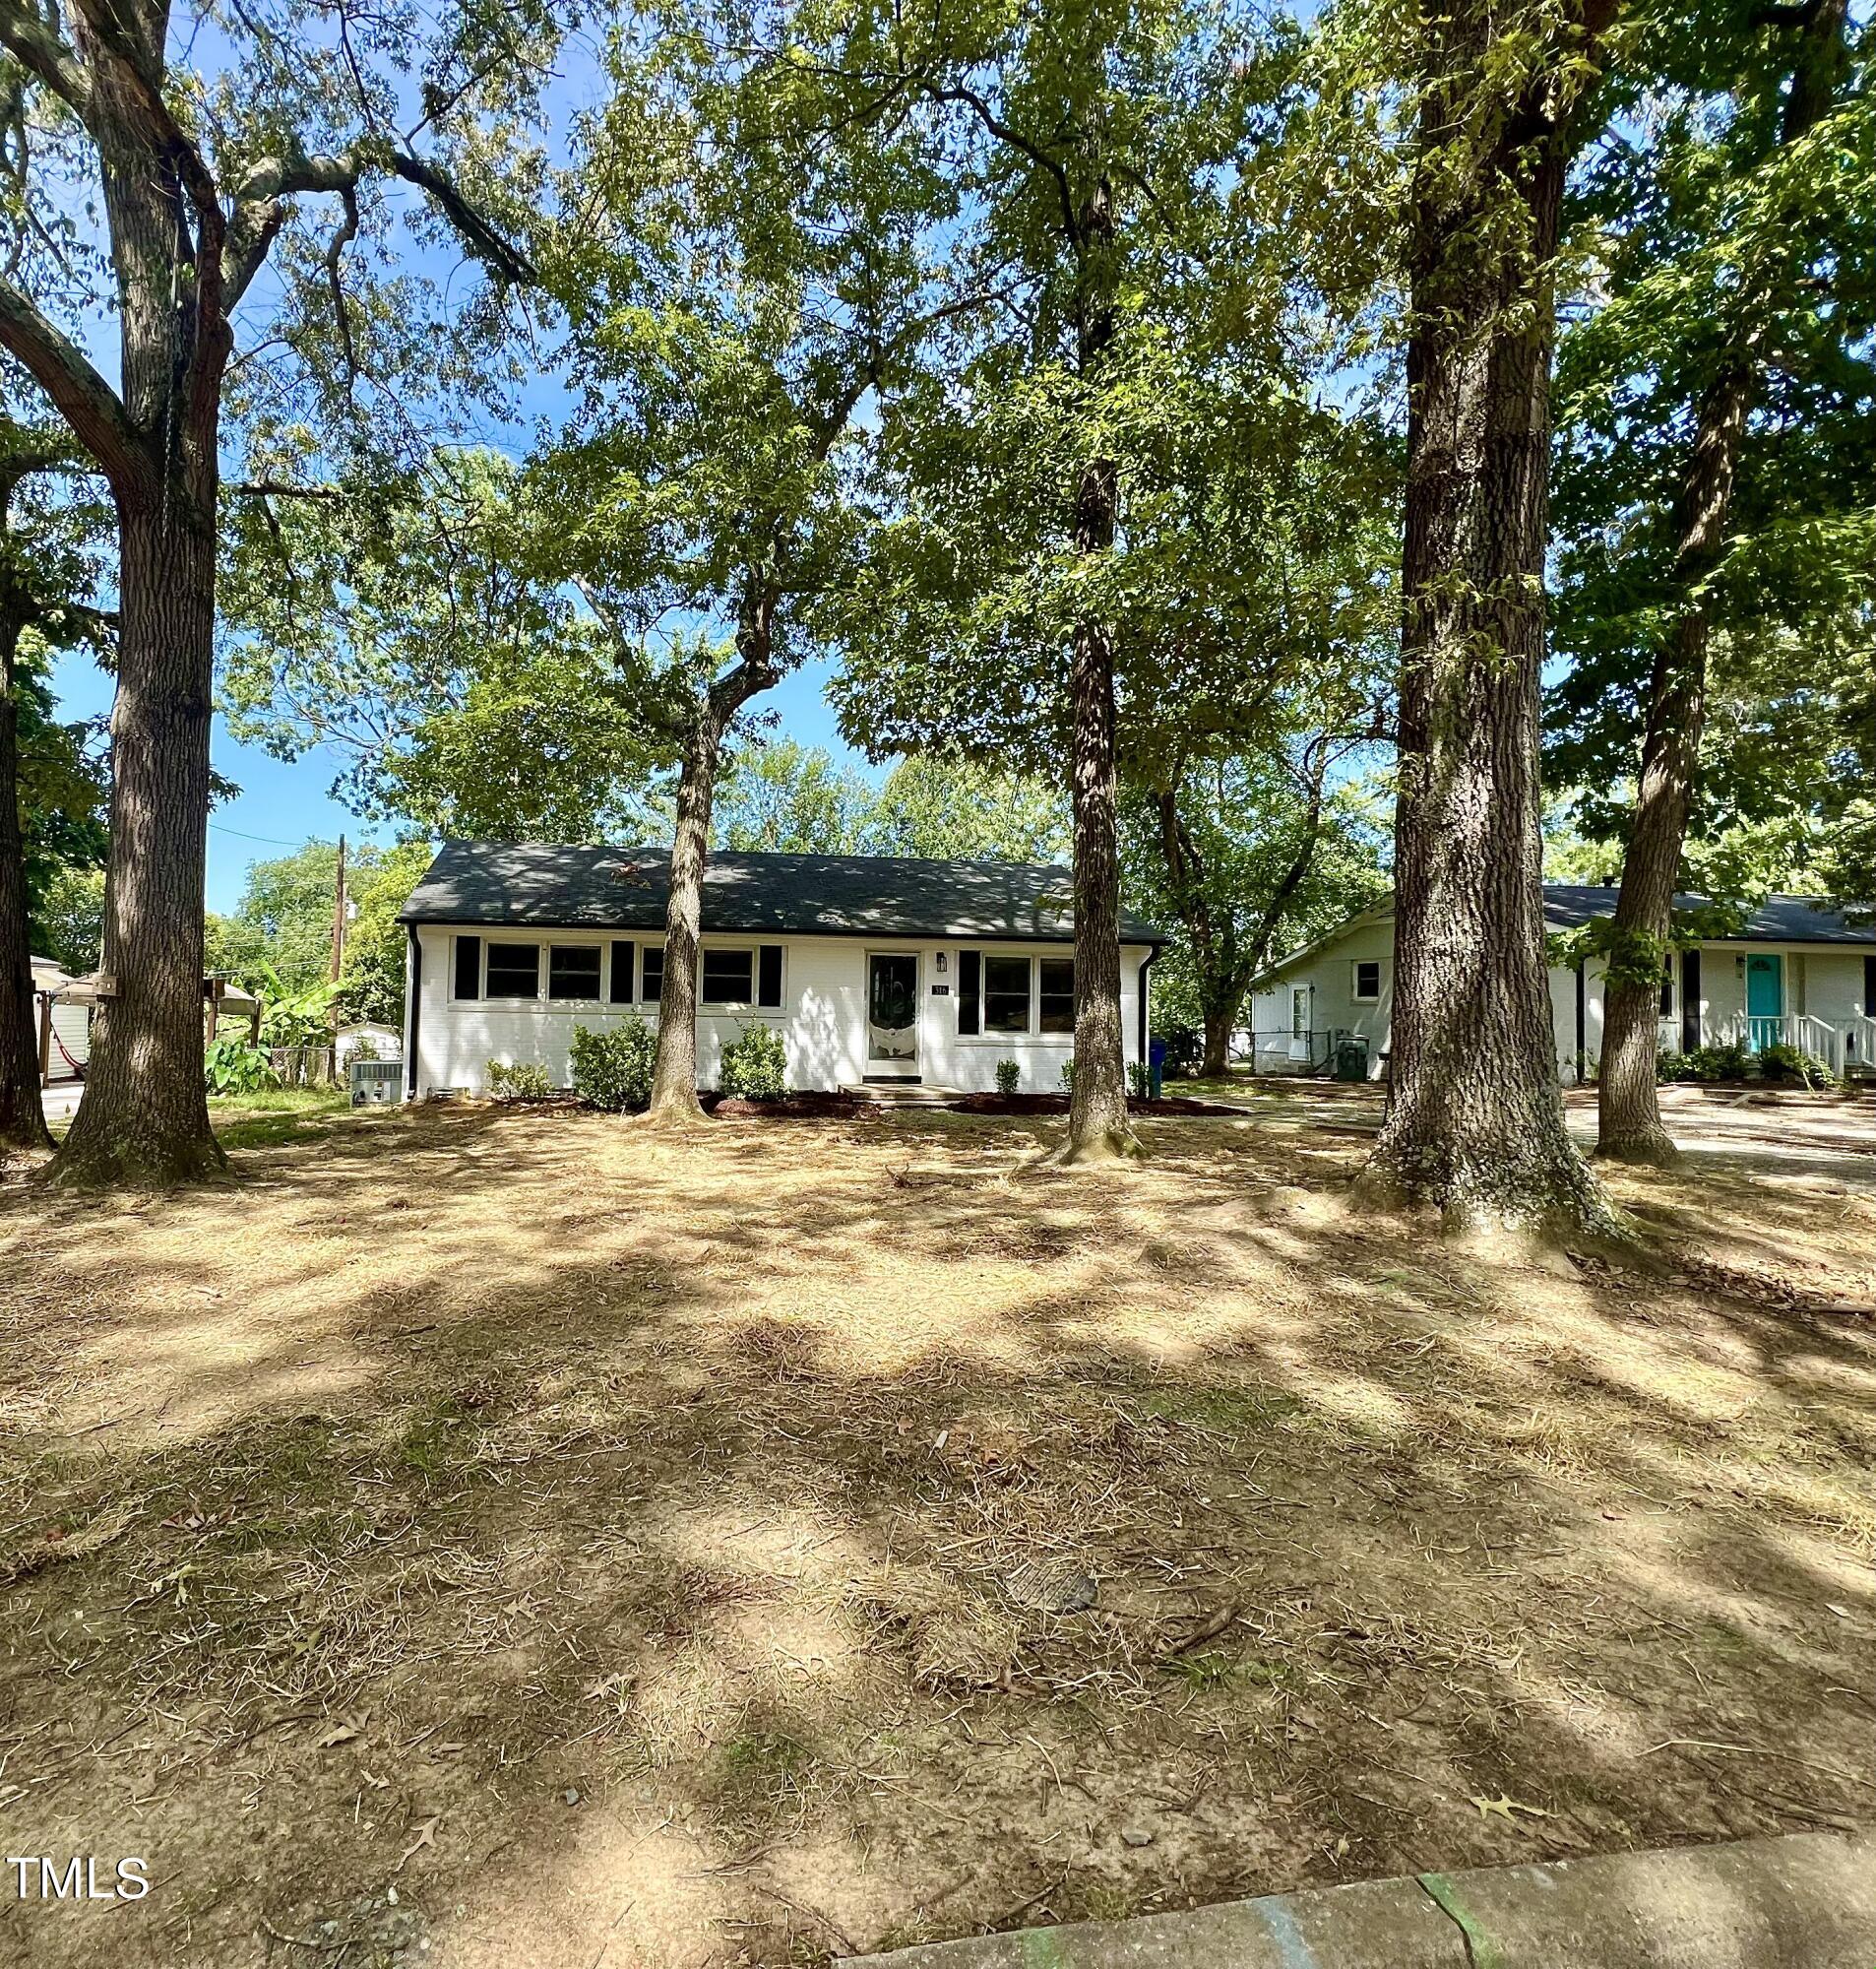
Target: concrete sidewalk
(1803,1902)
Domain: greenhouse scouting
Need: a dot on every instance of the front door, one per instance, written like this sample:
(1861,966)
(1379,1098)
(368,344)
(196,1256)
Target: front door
(892,1015)
(1765,1001)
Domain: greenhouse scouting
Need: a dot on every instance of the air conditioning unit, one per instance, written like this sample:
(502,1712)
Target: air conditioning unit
(376,1083)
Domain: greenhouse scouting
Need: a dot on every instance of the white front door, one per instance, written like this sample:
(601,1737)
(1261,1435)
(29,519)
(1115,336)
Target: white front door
(892,1015)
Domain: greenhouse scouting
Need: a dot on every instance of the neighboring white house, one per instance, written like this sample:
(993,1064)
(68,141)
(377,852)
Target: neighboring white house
(367,1040)
(1794,974)
(872,968)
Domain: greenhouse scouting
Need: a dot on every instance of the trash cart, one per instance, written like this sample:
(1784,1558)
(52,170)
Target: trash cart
(1156,1067)
(1351,1057)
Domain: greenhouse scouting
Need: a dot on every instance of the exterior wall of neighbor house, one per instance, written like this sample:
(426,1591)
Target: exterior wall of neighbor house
(1330,977)
(822,1018)
(1820,983)
(384,1042)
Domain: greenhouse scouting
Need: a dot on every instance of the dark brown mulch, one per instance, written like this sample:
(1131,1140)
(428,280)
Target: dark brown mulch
(1057,1103)
(806,1106)
(819,1106)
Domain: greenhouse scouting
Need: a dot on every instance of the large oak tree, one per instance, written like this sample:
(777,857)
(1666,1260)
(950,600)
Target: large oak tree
(197,176)
(1474,1121)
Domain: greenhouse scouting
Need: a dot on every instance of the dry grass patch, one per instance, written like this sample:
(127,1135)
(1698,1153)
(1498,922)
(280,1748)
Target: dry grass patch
(523,1536)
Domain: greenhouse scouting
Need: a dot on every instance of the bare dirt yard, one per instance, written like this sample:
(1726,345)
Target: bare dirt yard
(496,1538)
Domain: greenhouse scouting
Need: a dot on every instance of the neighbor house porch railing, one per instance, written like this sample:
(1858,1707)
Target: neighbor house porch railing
(1859,1045)
(1759,1031)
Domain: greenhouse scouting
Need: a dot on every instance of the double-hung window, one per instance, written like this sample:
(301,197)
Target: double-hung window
(730,977)
(573,971)
(1006,994)
(1055,995)
(1367,980)
(652,973)
(513,969)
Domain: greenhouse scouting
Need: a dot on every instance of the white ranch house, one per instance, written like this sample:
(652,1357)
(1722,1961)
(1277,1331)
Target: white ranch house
(1794,974)
(873,969)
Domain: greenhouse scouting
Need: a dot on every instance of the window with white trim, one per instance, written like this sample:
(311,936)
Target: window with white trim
(1055,995)
(730,977)
(1367,981)
(1299,1012)
(573,971)
(512,971)
(1006,994)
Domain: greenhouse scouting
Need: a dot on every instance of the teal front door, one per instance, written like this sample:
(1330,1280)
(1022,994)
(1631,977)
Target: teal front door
(1765,1001)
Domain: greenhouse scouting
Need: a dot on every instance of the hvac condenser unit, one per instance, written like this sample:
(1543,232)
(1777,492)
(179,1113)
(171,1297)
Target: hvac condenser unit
(376,1082)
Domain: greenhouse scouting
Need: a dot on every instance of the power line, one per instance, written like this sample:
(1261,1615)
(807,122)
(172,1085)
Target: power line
(269,840)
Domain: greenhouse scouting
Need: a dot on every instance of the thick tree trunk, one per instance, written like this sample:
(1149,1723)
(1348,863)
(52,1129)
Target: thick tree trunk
(1098,1125)
(145,1115)
(1476,1121)
(22,1112)
(1628,1101)
(675,1077)
(1220,1021)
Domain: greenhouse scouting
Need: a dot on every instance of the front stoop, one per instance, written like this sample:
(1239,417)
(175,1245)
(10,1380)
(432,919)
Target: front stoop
(1808,1901)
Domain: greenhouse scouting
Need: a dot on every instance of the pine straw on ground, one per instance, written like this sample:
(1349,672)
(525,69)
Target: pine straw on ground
(496,1539)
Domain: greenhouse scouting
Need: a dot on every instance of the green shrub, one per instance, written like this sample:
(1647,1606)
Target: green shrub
(755,1065)
(1009,1074)
(1670,1066)
(1788,1067)
(1068,1076)
(232,1066)
(521,1082)
(1731,1061)
(613,1065)
(1139,1079)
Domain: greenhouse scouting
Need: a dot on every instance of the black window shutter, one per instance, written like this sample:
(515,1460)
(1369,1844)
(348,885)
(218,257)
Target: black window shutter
(1690,1036)
(768,975)
(468,966)
(619,990)
(970,990)
(1869,986)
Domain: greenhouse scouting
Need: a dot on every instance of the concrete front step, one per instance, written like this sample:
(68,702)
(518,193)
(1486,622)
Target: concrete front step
(1808,1901)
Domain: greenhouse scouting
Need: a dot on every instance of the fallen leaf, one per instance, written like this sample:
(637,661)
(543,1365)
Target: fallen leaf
(1505,1806)
(426,1836)
(339,1733)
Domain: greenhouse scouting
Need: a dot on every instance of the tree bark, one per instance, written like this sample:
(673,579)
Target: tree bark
(1098,1125)
(145,1114)
(1475,1123)
(675,1074)
(1628,1101)
(22,1111)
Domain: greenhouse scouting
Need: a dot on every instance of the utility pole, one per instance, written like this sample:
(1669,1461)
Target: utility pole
(339,914)
(338,946)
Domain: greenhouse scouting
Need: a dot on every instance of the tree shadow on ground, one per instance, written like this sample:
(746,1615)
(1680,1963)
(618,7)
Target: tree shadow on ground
(687,1533)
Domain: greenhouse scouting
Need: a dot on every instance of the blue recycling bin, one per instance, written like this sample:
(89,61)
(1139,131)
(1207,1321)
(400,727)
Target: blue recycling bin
(1156,1067)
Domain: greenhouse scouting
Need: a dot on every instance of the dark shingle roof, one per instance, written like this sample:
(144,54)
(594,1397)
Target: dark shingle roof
(1777,919)
(524,882)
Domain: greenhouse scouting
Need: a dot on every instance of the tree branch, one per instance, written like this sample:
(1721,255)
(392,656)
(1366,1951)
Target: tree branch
(79,395)
(36,47)
(477,235)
